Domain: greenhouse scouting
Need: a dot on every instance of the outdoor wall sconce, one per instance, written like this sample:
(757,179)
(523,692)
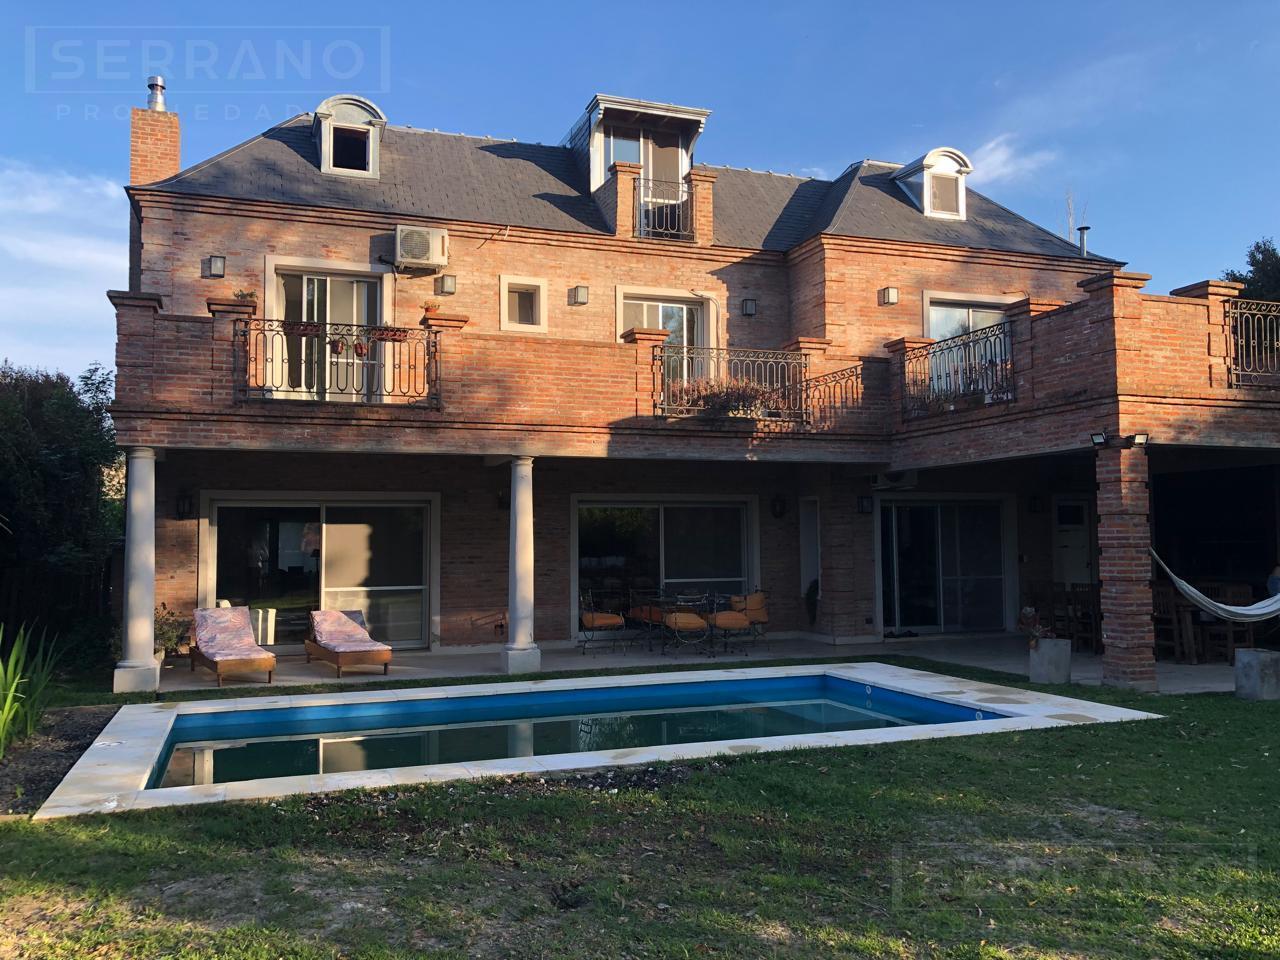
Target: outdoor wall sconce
(1098,439)
(578,296)
(778,506)
(887,296)
(446,284)
(866,504)
(1139,439)
(183,505)
(213,268)
(748,308)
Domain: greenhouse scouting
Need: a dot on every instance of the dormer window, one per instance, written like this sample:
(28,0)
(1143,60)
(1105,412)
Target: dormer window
(935,183)
(348,132)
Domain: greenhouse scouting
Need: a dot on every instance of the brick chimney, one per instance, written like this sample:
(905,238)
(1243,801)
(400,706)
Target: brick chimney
(153,138)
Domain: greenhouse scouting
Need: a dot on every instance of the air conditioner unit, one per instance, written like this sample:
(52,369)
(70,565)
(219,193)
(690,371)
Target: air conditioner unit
(422,247)
(894,480)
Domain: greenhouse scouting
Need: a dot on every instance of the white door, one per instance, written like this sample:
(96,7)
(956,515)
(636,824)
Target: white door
(1072,543)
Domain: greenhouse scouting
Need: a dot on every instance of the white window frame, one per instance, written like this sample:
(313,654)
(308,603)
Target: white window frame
(207,537)
(751,536)
(711,333)
(538,286)
(927,198)
(373,129)
(929,297)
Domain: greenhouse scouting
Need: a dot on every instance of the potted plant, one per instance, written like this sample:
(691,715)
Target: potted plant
(811,601)
(431,306)
(728,398)
(1050,656)
(389,334)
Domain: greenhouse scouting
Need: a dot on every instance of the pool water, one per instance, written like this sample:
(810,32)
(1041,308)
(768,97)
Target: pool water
(291,741)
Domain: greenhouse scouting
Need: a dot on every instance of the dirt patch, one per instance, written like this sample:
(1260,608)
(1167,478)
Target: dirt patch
(32,767)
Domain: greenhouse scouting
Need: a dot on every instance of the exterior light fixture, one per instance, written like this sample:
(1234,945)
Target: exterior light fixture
(183,505)
(446,284)
(578,296)
(213,268)
(887,296)
(1098,439)
(866,504)
(1140,439)
(748,308)
(778,506)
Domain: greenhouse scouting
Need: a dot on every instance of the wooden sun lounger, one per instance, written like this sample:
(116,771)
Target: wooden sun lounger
(225,645)
(341,638)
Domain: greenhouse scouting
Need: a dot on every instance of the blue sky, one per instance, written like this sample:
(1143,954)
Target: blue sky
(1159,118)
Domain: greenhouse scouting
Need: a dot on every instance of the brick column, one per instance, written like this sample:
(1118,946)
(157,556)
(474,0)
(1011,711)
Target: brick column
(625,176)
(645,340)
(702,182)
(1124,568)
(897,350)
(1217,293)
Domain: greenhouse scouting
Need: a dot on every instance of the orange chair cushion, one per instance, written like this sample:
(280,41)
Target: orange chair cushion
(685,621)
(601,621)
(730,620)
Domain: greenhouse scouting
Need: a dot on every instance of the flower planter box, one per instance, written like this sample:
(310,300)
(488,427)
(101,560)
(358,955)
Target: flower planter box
(389,334)
(300,329)
(1050,660)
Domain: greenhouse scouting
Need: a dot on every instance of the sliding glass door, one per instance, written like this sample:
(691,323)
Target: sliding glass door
(942,566)
(667,547)
(283,560)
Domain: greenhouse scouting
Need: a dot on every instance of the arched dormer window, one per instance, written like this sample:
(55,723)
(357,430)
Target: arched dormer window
(348,131)
(935,182)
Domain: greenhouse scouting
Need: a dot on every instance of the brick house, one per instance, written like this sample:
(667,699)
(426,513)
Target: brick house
(457,382)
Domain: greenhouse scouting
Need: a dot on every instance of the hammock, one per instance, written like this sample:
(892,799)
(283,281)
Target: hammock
(1264,610)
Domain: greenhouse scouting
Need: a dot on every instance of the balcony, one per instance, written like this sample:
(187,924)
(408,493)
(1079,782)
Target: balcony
(972,370)
(758,385)
(664,209)
(1253,343)
(334,362)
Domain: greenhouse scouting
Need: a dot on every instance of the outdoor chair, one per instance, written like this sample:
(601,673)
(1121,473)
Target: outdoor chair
(645,613)
(598,625)
(1224,637)
(730,625)
(755,606)
(224,643)
(1167,622)
(341,637)
(684,624)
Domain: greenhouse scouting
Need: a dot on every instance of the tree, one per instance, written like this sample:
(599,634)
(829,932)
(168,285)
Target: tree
(57,458)
(1262,279)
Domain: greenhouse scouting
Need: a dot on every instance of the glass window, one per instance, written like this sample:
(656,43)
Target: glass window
(623,145)
(350,148)
(374,562)
(269,558)
(683,320)
(944,193)
(522,306)
(952,319)
(619,550)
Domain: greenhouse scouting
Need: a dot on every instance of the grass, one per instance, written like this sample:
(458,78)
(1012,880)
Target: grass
(1150,839)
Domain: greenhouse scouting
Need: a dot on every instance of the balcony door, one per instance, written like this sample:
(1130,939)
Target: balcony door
(324,351)
(942,566)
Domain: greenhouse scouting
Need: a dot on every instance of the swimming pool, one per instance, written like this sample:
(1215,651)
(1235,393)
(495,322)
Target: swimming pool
(203,751)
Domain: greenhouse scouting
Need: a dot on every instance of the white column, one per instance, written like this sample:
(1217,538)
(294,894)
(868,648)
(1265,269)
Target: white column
(139,670)
(521,654)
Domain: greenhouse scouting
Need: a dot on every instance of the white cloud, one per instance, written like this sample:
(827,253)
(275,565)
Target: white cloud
(818,173)
(1000,160)
(67,244)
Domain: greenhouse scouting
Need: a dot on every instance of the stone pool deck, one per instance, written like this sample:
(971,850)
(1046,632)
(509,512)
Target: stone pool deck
(1002,652)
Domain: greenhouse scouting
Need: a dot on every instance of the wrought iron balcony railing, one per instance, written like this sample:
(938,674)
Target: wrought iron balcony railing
(346,363)
(830,395)
(972,369)
(727,382)
(664,209)
(1253,343)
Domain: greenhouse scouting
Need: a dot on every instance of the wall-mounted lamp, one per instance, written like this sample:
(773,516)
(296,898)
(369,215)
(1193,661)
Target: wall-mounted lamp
(183,505)
(578,296)
(866,504)
(213,268)
(748,308)
(887,296)
(778,506)
(1139,439)
(446,284)
(1098,439)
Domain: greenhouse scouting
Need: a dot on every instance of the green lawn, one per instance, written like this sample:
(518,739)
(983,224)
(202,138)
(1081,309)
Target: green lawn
(1151,839)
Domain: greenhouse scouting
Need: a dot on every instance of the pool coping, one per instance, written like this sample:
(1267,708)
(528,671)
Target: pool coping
(112,774)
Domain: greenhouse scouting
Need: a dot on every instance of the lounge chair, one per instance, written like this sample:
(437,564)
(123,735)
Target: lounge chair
(341,637)
(224,643)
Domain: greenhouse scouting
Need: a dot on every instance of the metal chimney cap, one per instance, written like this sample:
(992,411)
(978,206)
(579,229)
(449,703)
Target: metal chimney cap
(155,99)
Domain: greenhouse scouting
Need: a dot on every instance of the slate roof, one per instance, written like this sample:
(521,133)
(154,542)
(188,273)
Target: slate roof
(454,177)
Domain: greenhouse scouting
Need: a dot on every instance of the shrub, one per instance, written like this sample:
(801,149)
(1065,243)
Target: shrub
(728,398)
(172,630)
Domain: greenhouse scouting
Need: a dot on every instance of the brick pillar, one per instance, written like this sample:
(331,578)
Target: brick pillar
(702,182)
(625,176)
(1217,293)
(1124,568)
(897,350)
(645,339)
